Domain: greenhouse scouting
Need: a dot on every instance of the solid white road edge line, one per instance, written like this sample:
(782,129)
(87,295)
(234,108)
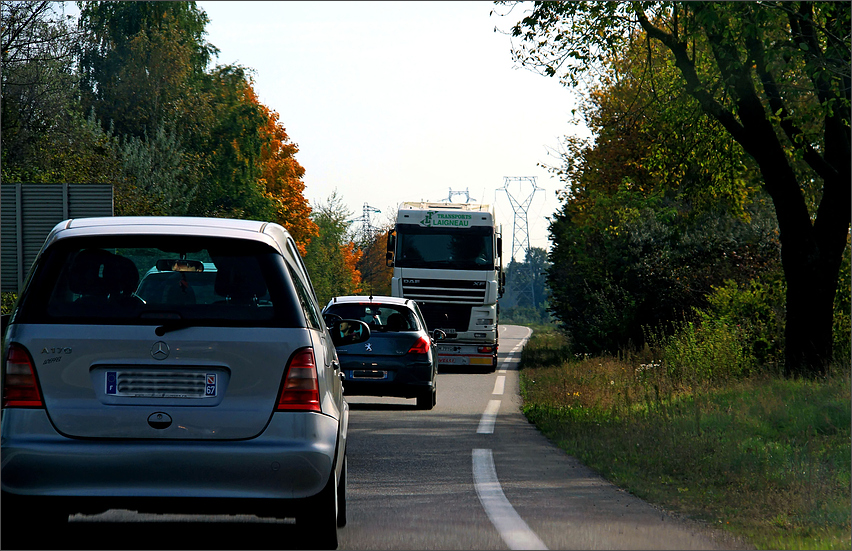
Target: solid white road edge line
(499,385)
(515,349)
(489,417)
(512,528)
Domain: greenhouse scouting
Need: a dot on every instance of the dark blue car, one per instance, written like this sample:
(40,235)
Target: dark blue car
(399,359)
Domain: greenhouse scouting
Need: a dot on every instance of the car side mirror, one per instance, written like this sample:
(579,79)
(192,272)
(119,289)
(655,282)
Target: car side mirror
(330,319)
(345,332)
(438,335)
(391,245)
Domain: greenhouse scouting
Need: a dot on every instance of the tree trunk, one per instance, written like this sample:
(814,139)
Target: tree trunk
(811,285)
(811,255)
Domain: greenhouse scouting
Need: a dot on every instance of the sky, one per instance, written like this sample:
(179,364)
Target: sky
(404,101)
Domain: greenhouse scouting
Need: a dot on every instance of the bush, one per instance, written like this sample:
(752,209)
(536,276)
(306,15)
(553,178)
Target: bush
(525,315)
(707,351)
(757,308)
(8,302)
(842,326)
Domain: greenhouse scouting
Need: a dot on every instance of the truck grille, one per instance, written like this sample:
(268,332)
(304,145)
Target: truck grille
(446,316)
(444,291)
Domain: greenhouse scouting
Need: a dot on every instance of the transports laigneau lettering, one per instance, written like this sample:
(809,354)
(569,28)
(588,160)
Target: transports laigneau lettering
(434,218)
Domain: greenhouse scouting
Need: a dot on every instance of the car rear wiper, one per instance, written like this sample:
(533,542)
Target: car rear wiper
(170,326)
(173,321)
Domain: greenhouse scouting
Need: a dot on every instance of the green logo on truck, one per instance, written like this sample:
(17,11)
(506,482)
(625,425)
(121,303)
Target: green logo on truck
(435,219)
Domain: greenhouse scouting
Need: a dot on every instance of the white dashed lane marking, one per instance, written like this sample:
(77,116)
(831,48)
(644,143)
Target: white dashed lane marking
(486,423)
(499,384)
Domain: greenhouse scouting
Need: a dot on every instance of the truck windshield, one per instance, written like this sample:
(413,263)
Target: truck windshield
(470,248)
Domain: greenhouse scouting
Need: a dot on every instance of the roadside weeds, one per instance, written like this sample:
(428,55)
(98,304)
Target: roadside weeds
(763,457)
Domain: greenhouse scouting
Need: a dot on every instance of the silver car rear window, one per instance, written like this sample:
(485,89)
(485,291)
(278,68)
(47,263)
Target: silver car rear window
(153,279)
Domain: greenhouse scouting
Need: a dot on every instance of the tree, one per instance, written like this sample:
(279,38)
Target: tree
(659,208)
(331,257)
(776,77)
(528,275)
(376,275)
(143,70)
(140,60)
(46,136)
(163,182)
(281,177)
(36,78)
(525,282)
(231,150)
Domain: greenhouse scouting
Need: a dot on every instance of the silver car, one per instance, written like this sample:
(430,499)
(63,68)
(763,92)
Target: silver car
(211,385)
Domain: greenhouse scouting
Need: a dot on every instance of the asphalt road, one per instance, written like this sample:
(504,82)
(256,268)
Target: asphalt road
(470,474)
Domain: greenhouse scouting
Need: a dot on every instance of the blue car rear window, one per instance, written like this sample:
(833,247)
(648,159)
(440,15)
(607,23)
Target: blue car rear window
(380,317)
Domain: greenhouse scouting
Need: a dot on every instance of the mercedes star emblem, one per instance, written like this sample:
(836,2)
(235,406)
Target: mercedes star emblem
(160,350)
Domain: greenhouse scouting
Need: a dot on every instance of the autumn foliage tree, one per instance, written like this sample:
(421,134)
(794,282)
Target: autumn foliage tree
(281,176)
(376,275)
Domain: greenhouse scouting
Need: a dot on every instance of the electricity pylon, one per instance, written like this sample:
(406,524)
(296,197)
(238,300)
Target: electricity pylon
(367,229)
(367,241)
(521,238)
(468,198)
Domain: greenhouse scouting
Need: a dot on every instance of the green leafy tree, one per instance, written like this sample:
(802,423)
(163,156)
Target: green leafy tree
(527,294)
(193,138)
(140,60)
(528,276)
(376,275)
(231,150)
(653,216)
(331,257)
(164,183)
(776,77)
(46,137)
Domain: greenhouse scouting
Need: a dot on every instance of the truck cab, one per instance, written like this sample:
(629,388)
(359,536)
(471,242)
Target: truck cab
(448,257)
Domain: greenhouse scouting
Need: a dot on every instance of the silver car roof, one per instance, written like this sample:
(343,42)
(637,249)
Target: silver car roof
(265,232)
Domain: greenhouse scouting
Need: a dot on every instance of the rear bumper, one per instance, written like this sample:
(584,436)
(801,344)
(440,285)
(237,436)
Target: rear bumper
(386,378)
(292,459)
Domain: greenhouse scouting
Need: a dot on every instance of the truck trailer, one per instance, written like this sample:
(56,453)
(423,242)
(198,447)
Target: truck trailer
(448,257)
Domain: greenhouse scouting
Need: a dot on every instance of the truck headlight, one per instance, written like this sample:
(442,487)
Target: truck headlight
(485,321)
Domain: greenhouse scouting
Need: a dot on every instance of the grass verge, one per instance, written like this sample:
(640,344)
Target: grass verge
(763,457)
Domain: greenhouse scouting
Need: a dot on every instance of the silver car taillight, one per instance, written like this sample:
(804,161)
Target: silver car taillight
(300,391)
(20,386)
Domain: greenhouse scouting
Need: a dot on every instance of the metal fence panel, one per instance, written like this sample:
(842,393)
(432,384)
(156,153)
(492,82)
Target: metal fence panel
(30,211)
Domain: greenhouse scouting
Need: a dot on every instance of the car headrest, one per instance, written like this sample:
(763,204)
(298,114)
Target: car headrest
(396,322)
(239,278)
(101,273)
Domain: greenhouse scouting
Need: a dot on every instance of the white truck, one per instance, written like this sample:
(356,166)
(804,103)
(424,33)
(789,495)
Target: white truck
(448,257)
